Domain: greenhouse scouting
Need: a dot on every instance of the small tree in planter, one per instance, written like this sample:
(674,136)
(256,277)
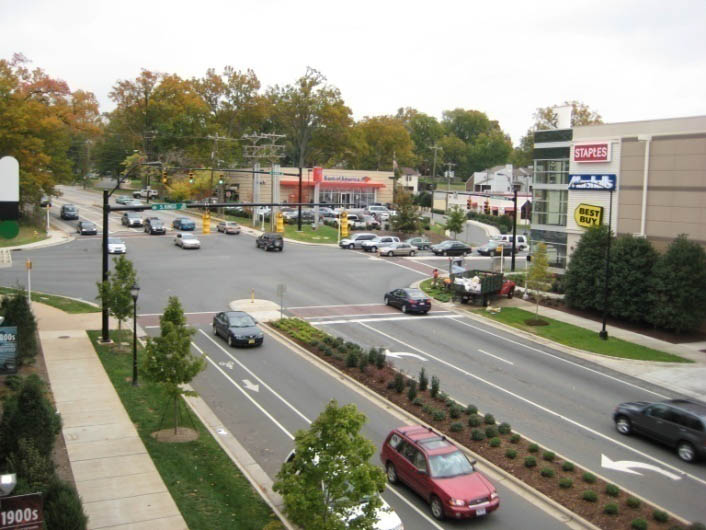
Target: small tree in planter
(539,278)
(115,293)
(455,221)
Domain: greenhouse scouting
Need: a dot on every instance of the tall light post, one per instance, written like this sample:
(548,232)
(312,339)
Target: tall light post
(603,334)
(134,292)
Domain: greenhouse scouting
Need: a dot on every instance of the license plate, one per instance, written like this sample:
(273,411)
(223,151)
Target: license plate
(252,341)
(480,511)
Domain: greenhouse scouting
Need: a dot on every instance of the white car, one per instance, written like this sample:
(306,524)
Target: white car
(521,244)
(373,245)
(186,240)
(116,246)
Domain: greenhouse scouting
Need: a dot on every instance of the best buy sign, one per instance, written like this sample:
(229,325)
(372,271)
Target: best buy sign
(588,215)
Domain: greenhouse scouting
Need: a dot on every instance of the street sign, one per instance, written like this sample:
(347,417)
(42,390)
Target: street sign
(21,512)
(168,206)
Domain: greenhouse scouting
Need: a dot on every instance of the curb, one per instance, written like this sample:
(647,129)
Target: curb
(537,498)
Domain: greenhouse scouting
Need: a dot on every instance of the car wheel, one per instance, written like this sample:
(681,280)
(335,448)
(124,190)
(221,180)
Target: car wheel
(437,510)
(230,341)
(387,301)
(350,246)
(390,254)
(215,330)
(511,293)
(623,425)
(686,451)
(404,308)
(373,249)
(411,253)
(391,473)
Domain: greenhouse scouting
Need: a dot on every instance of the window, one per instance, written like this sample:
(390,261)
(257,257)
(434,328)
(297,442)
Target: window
(657,411)
(450,465)
(549,207)
(394,441)
(556,246)
(551,171)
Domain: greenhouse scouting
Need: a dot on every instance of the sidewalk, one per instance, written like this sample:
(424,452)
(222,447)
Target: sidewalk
(115,476)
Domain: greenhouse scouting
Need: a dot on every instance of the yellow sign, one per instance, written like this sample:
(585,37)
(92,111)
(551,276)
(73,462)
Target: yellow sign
(206,221)
(587,215)
(344,224)
(280,222)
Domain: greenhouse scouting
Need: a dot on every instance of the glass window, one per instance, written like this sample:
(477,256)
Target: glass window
(556,246)
(450,465)
(549,207)
(657,411)
(551,171)
(395,441)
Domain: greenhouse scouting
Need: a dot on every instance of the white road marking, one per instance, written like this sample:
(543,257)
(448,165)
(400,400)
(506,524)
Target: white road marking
(498,358)
(626,465)
(408,268)
(399,354)
(362,320)
(250,385)
(374,315)
(227,364)
(419,512)
(540,407)
(338,305)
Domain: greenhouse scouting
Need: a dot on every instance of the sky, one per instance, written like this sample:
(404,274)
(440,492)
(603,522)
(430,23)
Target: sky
(627,60)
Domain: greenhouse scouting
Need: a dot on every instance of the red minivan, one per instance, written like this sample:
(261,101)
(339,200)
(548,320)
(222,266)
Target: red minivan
(438,471)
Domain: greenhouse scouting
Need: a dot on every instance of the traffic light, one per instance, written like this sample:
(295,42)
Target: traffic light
(191,177)
(220,180)
(486,207)
(468,204)
(164,176)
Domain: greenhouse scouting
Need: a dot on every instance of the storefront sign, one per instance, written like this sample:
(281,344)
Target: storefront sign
(592,182)
(8,349)
(595,152)
(341,178)
(588,215)
(318,174)
(21,512)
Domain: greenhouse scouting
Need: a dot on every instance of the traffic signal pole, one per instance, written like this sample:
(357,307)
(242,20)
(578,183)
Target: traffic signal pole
(514,227)
(105,333)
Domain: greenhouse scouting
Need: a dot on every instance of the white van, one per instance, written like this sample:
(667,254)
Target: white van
(522,243)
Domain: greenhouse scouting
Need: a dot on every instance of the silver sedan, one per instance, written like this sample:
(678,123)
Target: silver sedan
(186,240)
(398,249)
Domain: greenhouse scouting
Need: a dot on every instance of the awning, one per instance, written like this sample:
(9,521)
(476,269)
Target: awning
(334,185)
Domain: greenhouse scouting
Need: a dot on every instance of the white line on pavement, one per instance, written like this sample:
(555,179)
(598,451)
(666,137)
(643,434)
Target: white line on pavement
(498,358)
(540,407)
(338,305)
(361,320)
(370,315)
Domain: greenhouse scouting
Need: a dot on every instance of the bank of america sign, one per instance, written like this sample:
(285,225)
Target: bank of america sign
(593,182)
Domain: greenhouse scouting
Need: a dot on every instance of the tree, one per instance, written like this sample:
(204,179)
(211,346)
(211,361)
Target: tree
(168,360)
(17,312)
(455,220)
(332,473)
(407,218)
(632,261)
(381,139)
(581,114)
(585,275)
(678,280)
(115,293)
(522,154)
(538,276)
(425,132)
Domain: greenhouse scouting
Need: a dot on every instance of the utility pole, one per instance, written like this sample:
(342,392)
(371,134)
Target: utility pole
(449,167)
(435,148)
(268,151)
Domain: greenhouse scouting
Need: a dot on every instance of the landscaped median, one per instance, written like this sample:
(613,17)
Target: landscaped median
(206,485)
(603,504)
(69,305)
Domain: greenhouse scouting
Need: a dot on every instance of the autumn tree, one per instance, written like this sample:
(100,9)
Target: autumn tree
(331,474)
(538,276)
(381,139)
(455,221)
(115,292)
(407,218)
(581,114)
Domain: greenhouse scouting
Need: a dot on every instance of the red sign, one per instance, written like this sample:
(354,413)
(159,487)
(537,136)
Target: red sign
(21,512)
(598,152)
(318,174)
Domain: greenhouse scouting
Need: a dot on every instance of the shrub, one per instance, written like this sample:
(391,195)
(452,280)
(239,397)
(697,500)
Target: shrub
(35,470)
(328,339)
(399,383)
(17,312)
(434,390)
(412,391)
(423,380)
(351,359)
(510,453)
(567,466)
(372,355)
(639,524)
(489,419)
(548,456)
(530,461)
(590,496)
(504,428)
(439,415)
(327,351)
(494,442)
(62,507)
(13,382)
(565,483)
(633,502)
(612,490)
(338,342)
(589,478)
(456,427)
(533,448)
(515,438)
(474,420)
(477,435)
(697,526)
(418,402)
(362,362)
(314,343)
(381,358)
(491,432)
(428,408)
(611,509)
(547,472)
(443,396)
(660,516)
(471,410)
(455,411)
(450,402)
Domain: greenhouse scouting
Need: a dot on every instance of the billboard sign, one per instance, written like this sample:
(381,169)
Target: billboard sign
(593,182)
(593,152)
(8,349)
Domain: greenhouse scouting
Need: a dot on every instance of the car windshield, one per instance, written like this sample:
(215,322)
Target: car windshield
(450,465)
(188,236)
(416,294)
(115,241)
(131,214)
(243,321)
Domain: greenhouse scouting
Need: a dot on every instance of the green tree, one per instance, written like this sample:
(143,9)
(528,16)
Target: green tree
(538,276)
(678,280)
(407,218)
(382,138)
(425,132)
(332,473)
(168,360)
(521,155)
(455,221)
(632,261)
(17,312)
(115,293)
(585,276)
(581,114)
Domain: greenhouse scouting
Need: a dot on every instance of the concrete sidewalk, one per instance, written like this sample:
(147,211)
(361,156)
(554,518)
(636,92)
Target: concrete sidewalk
(115,476)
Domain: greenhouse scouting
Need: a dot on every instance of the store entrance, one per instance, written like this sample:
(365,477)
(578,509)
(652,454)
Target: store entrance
(346,200)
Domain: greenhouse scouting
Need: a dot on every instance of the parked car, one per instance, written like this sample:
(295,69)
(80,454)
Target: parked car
(183,223)
(678,423)
(131,219)
(325,211)
(372,245)
(422,243)
(371,223)
(270,241)
(123,199)
(451,248)
(186,240)
(522,243)
(116,246)
(397,249)
(145,193)
(228,227)
(491,248)
(135,202)
(292,216)
(154,225)
(237,328)
(387,518)
(439,472)
(409,300)
(355,240)
(86,228)
(69,212)
(381,212)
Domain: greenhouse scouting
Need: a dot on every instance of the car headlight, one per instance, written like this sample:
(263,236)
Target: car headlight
(456,502)
(493,495)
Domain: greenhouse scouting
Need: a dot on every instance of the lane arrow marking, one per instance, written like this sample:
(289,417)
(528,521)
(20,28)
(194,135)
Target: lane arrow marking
(227,364)
(627,465)
(250,386)
(399,354)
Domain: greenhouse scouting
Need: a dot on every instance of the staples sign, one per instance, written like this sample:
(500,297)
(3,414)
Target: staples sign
(598,152)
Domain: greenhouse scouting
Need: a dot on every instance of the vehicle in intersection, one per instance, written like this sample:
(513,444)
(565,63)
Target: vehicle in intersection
(183,223)
(69,212)
(228,227)
(186,240)
(86,228)
(409,300)
(116,246)
(372,245)
(495,247)
(451,248)
(397,249)
(238,328)
(123,199)
(422,243)
(131,219)
(270,241)
(154,225)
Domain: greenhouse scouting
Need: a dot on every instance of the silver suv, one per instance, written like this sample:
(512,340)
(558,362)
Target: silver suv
(356,240)
(372,245)
(678,423)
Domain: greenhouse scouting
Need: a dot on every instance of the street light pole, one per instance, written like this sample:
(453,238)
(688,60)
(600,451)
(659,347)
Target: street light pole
(514,225)
(299,211)
(134,292)
(105,335)
(603,334)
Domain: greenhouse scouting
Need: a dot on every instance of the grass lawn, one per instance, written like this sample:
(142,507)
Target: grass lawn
(437,293)
(438,229)
(207,487)
(323,234)
(27,234)
(580,338)
(65,304)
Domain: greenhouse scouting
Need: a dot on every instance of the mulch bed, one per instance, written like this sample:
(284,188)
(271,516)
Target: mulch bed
(380,381)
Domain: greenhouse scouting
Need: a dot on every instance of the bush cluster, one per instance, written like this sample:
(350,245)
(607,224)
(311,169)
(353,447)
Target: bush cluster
(17,312)
(474,420)
(511,453)
(423,380)
(477,435)
(435,383)
(530,461)
(547,472)
(590,496)
(456,427)
(565,483)
(589,478)
(504,428)
(612,490)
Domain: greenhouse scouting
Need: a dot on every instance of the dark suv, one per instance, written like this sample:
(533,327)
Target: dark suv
(154,225)
(69,212)
(270,241)
(678,423)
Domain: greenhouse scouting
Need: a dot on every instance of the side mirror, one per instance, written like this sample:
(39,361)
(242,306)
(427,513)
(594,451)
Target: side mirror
(474,462)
